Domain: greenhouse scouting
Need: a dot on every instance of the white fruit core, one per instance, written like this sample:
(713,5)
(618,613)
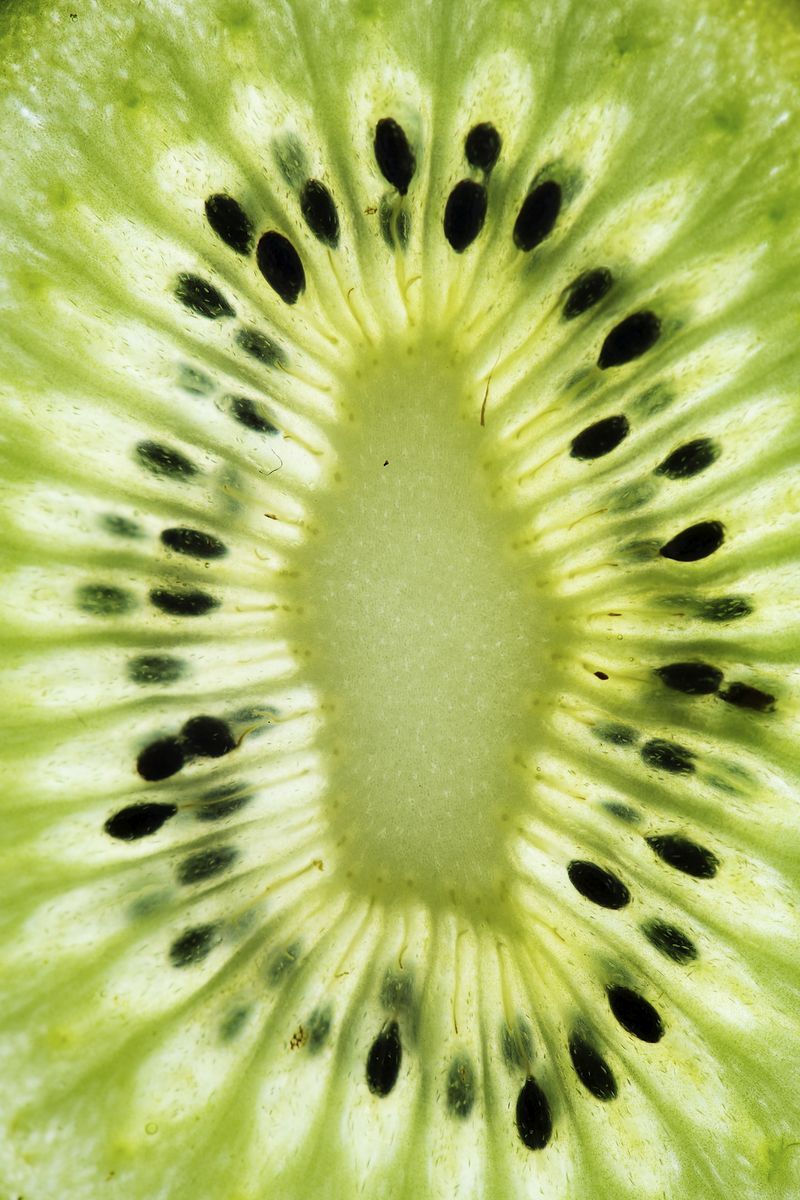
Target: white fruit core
(428,637)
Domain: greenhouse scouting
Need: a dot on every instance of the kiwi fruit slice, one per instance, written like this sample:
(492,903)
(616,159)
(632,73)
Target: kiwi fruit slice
(400,638)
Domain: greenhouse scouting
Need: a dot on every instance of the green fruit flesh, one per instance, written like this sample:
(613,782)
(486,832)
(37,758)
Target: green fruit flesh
(399,568)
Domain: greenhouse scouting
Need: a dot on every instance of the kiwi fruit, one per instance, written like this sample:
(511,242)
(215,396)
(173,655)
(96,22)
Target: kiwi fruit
(399,506)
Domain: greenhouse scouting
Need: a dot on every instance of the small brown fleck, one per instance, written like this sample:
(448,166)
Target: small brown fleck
(299,1038)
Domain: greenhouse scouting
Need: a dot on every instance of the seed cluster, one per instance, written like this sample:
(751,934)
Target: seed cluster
(465,212)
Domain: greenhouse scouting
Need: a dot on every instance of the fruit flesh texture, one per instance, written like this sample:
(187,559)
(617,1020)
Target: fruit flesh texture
(158,1038)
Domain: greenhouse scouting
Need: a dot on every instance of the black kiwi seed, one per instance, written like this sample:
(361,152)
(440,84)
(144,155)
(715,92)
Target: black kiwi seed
(248,413)
(742,695)
(670,941)
(164,460)
(155,668)
(598,885)
(533,1117)
(586,291)
(684,855)
(202,298)
(694,543)
(592,1069)
(691,678)
(205,864)
(600,438)
(460,1087)
(138,820)
(193,542)
(319,212)
(230,222)
(464,214)
(667,756)
(259,346)
(280,264)
(482,146)
(635,1014)
(193,946)
(689,459)
(630,339)
(183,604)
(209,737)
(538,215)
(383,1060)
(393,154)
(103,600)
(160,759)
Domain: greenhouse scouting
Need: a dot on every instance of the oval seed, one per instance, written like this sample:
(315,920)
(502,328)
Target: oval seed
(598,885)
(319,212)
(230,222)
(629,340)
(538,215)
(464,214)
(280,264)
(393,154)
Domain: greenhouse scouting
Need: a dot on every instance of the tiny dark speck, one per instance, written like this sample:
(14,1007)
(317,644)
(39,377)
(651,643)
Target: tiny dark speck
(386,462)
(601,675)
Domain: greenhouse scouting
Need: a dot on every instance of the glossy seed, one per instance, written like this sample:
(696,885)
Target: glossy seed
(635,1014)
(537,216)
(183,604)
(592,1069)
(533,1117)
(319,212)
(598,885)
(393,154)
(670,941)
(202,298)
(230,222)
(689,459)
(742,695)
(691,678)
(383,1061)
(600,438)
(138,820)
(684,855)
(630,339)
(464,214)
(193,543)
(586,291)
(160,759)
(280,264)
(694,543)
(209,737)
(482,146)
(667,756)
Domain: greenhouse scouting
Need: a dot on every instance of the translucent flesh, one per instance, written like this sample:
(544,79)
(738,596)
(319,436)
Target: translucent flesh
(434,631)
